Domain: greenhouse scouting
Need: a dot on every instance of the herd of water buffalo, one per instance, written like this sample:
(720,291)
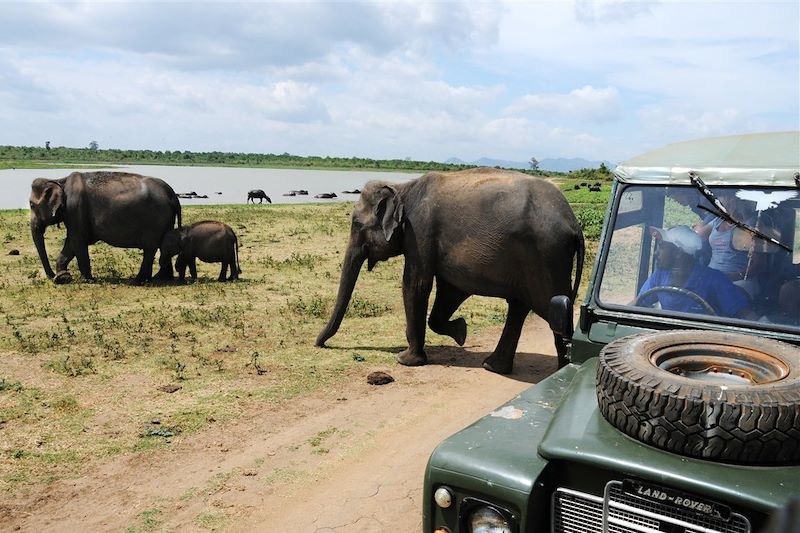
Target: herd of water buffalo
(261,195)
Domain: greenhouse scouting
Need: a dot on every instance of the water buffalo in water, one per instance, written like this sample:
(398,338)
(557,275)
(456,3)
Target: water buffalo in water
(258,193)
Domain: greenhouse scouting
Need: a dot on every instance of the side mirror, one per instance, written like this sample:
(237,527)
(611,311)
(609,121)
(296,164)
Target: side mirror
(560,316)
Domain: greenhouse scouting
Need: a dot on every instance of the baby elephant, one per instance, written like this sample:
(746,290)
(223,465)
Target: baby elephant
(209,240)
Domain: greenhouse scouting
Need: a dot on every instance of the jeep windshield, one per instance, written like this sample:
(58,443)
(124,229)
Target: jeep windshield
(671,252)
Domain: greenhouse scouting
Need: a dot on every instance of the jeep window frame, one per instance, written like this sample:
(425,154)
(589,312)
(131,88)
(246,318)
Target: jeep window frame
(651,211)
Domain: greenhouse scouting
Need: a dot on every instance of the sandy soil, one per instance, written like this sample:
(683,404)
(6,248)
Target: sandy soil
(344,460)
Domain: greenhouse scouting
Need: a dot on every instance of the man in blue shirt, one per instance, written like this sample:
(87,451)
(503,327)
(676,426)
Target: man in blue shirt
(677,266)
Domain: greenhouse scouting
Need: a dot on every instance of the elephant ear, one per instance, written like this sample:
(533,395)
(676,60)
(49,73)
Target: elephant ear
(389,211)
(53,199)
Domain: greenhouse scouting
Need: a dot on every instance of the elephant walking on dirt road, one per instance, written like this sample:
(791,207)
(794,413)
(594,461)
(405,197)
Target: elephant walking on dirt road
(122,209)
(481,231)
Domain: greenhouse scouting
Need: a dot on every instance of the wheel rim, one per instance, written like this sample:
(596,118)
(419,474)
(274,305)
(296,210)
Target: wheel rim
(721,364)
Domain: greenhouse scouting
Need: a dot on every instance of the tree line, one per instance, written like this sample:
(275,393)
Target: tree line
(33,154)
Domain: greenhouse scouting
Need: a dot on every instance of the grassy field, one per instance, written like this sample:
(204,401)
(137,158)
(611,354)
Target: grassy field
(95,369)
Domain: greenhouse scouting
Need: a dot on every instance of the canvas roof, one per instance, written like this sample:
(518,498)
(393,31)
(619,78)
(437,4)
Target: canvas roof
(760,158)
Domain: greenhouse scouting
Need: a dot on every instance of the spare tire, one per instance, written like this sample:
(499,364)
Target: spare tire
(719,396)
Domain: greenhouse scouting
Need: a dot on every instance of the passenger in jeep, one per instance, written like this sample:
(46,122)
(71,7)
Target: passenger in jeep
(681,283)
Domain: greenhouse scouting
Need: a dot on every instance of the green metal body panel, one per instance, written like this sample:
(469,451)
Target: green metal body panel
(495,458)
(579,434)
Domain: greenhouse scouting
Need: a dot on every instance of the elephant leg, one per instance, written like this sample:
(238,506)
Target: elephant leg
(193,267)
(502,359)
(62,263)
(64,257)
(165,270)
(180,266)
(81,253)
(416,291)
(561,350)
(232,265)
(223,271)
(146,270)
(447,300)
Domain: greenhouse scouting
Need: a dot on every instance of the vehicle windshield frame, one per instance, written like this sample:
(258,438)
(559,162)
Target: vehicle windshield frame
(654,207)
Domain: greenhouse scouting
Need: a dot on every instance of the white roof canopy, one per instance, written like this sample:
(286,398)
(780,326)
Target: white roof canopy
(770,159)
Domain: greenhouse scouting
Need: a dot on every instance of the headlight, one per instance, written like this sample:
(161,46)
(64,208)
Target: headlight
(487,520)
(443,497)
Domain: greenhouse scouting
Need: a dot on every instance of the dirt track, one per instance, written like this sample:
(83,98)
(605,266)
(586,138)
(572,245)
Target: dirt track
(346,460)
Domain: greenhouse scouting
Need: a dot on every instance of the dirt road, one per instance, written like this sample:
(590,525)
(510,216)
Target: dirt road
(346,460)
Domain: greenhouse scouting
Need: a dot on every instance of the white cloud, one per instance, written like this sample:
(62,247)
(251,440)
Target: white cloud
(585,103)
(607,11)
(429,80)
(696,124)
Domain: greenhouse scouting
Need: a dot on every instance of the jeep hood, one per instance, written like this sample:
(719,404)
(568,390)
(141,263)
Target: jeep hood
(500,448)
(578,433)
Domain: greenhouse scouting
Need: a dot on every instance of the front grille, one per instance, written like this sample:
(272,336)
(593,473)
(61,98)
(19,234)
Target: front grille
(576,512)
(620,512)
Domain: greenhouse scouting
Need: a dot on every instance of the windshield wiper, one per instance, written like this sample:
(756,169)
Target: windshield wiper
(720,211)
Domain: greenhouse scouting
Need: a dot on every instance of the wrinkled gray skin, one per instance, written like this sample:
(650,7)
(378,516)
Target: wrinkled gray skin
(121,209)
(480,231)
(208,240)
(258,193)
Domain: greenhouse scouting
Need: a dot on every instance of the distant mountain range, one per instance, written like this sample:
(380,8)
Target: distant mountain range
(558,164)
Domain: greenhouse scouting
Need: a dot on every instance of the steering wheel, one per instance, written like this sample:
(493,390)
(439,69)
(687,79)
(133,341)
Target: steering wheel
(677,290)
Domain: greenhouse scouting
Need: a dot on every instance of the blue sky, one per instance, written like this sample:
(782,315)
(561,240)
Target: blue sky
(424,80)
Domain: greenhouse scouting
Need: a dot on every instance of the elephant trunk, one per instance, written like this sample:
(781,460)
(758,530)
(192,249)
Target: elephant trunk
(353,260)
(37,232)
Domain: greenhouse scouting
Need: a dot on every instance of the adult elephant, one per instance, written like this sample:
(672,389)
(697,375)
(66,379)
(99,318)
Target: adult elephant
(122,209)
(258,193)
(481,231)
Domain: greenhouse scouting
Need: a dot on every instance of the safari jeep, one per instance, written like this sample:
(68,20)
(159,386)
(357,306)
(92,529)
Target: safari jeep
(679,409)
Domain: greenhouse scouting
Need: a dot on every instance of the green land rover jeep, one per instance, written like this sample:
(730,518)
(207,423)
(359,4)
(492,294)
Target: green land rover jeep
(679,409)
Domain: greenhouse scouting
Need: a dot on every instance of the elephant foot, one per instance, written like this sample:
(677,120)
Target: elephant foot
(459,333)
(498,364)
(409,358)
(163,275)
(62,277)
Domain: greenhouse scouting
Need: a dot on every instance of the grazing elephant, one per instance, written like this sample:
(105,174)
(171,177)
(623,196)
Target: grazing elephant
(121,209)
(208,240)
(479,231)
(258,193)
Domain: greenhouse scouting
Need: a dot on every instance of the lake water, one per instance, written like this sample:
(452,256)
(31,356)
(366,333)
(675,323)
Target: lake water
(233,183)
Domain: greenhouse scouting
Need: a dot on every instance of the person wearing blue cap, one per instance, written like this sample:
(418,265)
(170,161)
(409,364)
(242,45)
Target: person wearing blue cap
(678,269)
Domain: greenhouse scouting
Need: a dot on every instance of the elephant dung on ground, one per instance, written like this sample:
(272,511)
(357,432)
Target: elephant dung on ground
(121,209)
(480,231)
(258,193)
(210,241)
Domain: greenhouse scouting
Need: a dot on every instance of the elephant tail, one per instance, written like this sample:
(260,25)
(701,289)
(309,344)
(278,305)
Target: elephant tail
(580,253)
(236,255)
(176,209)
